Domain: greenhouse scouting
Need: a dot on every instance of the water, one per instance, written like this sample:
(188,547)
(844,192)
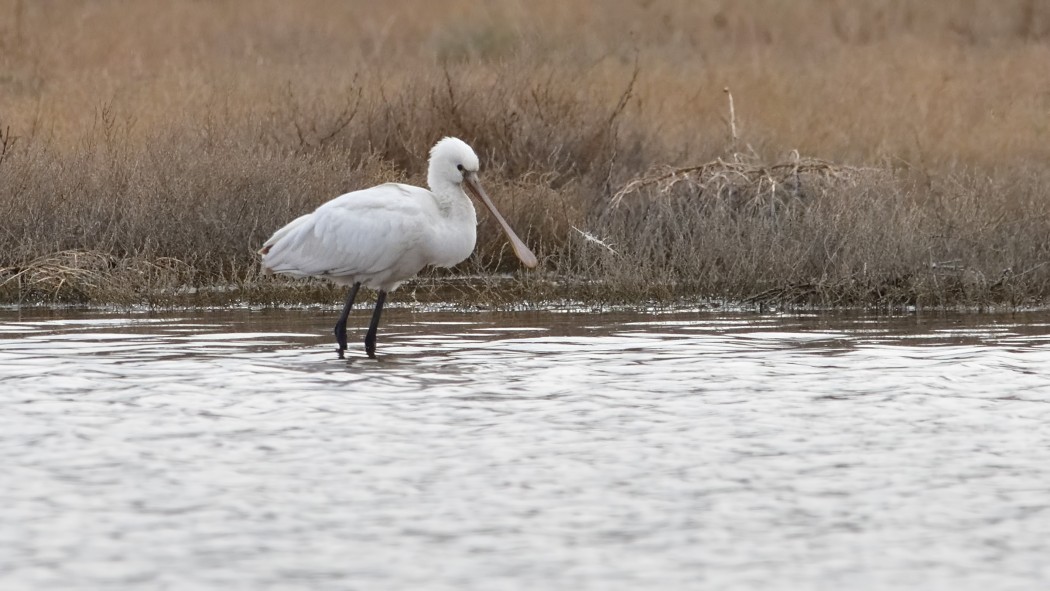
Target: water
(537,450)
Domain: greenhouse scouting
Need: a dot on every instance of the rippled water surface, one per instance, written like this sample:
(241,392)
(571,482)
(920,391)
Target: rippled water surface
(537,450)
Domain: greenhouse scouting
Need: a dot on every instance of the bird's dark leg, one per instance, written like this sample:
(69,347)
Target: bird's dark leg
(340,326)
(370,338)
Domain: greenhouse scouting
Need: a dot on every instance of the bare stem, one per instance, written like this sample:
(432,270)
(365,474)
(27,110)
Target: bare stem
(732,115)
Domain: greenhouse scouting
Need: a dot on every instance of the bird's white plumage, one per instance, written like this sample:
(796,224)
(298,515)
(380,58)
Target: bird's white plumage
(379,237)
(384,235)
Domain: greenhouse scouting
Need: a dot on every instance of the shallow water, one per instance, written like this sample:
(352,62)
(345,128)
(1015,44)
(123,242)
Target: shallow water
(536,450)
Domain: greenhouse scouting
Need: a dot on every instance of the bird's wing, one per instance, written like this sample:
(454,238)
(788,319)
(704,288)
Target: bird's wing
(361,232)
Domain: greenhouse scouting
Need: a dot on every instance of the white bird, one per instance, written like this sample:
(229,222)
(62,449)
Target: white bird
(382,236)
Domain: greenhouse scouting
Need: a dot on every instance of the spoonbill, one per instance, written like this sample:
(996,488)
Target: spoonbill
(382,236)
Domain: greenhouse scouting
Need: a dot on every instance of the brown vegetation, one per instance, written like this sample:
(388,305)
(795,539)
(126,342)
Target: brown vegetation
(148,148)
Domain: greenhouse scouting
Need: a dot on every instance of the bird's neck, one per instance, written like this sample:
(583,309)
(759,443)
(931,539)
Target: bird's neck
(439,185)
(452,200)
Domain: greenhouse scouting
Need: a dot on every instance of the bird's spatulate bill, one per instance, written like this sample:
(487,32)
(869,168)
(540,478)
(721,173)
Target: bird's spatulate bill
(527,258)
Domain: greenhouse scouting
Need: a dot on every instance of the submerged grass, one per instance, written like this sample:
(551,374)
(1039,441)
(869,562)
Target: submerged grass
(889,154)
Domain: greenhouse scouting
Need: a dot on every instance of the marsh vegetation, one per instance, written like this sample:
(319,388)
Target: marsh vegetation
(890,153)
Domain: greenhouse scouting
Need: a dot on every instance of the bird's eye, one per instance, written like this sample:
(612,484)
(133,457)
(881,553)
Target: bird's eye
(459,167)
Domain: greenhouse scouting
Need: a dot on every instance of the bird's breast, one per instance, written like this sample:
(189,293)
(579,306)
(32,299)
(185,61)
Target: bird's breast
(454,229)
(453,245)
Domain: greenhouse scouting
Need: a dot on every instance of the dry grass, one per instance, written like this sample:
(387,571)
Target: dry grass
(147,148)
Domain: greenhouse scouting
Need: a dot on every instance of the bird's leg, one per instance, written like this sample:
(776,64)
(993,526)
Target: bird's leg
(340,325)
(370,338)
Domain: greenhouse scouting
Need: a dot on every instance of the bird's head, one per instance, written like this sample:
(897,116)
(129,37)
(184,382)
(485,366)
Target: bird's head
(453,162)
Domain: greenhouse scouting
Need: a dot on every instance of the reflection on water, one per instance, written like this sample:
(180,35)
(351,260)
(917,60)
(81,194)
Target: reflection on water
(531,450)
